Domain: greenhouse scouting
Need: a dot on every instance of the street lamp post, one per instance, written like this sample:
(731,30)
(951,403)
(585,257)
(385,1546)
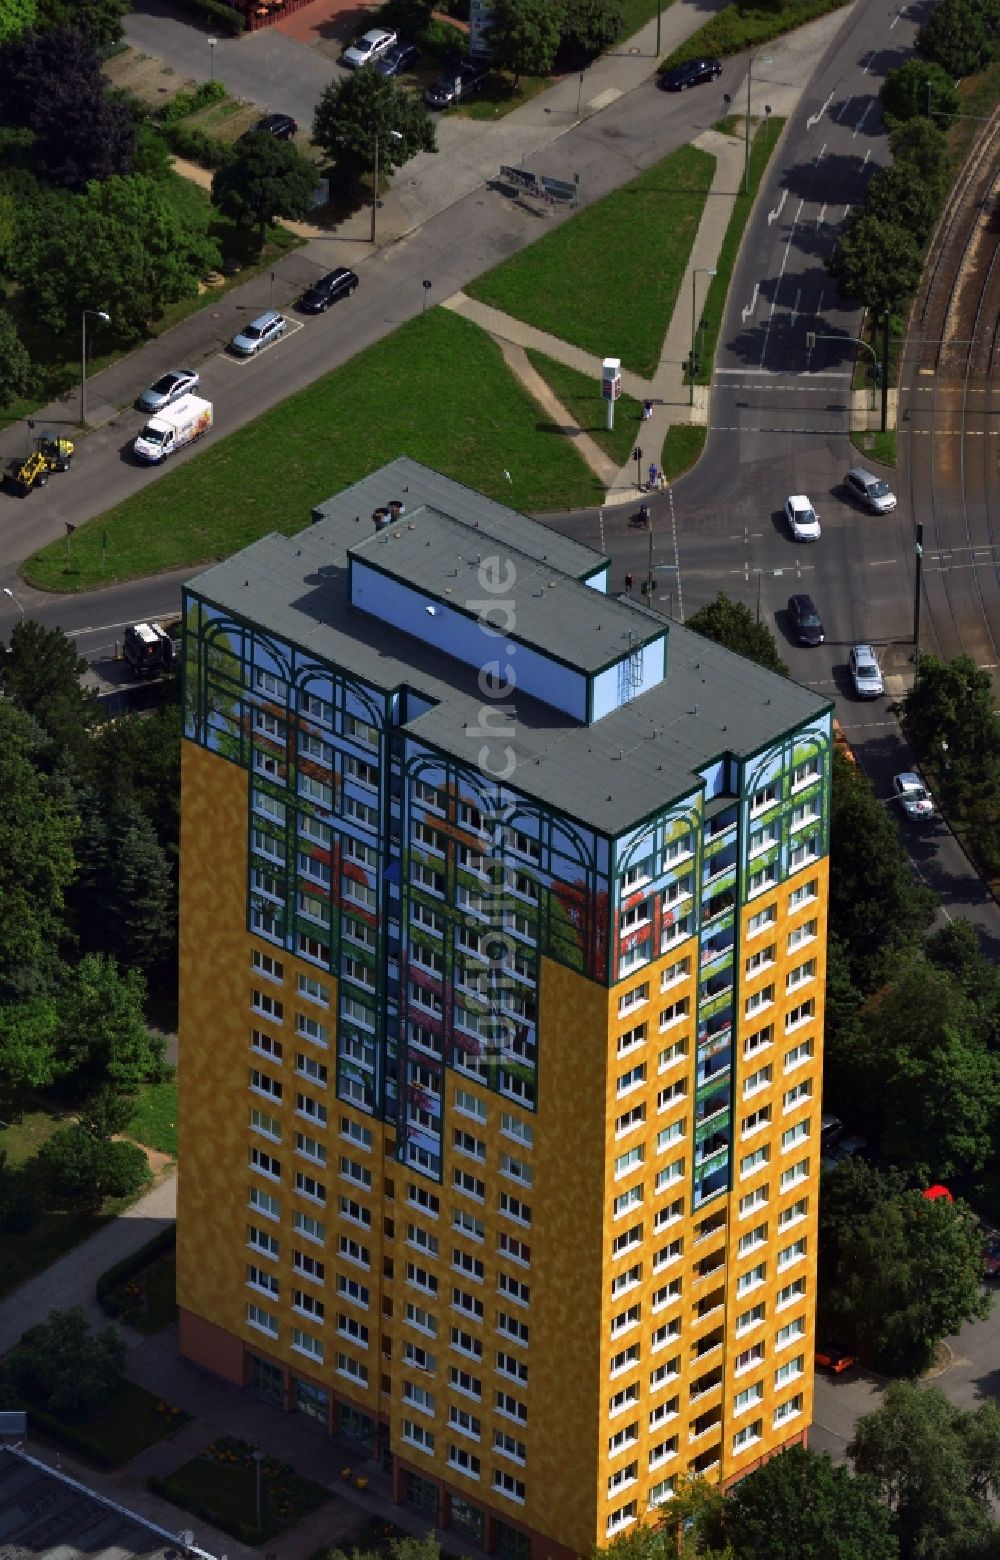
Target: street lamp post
(763,59)
(918,581)
(211,55)
(397,136)
(100,315)
(659,11)
(258,1455)
(8,592)
(700,270)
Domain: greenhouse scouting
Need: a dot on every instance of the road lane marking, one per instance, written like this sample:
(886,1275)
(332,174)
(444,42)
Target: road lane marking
(873,56)
(845,105)
(864,116)
(819,223)
(819,156)
(748,311)
(777,285)
(795,305)
(878,563)
(833,373)
(864,165)
(772,216)
(814,119)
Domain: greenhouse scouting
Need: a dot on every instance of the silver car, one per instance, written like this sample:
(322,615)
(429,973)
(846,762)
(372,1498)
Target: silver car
(913,796)
(874,492)
(167,389)
(368,47)
(866,673)
(259,333)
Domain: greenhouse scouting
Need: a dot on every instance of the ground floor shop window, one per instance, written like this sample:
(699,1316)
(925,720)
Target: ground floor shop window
(468,1520)
(511,1543)
(356,1425)
(267,1380)
(421,1493)
(312,1401)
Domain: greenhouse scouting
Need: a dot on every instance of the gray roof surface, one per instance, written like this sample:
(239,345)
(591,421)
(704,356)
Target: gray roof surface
(43,1512)
(608,775)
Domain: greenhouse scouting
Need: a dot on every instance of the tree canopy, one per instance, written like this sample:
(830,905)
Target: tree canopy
(65,1368)
(101,20)
(262,180)
(936,1468)
(103,1037)
(876,262)
(525,36)
(122,246)
(16,373)
(798,1506)
(353,110)
(920,87)
(733,625)
(898,1271)
(40,670)
(53,86)
(960,35)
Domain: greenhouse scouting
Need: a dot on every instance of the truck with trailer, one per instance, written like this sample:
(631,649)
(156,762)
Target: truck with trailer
(173,428)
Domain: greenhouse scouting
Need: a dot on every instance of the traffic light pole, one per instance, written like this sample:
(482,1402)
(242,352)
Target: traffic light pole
(812,337)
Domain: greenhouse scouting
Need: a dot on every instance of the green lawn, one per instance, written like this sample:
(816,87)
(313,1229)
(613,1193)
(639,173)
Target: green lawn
(581,396)
(681,448)
(154,1121)
(608,280)
(881,447)
(130,1421)
(436,389)
(27,1131)
(220,1486)
(712,304)
(52,1236)
(147,1300)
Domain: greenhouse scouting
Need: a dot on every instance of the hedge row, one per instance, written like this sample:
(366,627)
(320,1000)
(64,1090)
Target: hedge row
(218,15)
(734,29)
(189,102)
(67,1435)
(195,146)
(122,1271)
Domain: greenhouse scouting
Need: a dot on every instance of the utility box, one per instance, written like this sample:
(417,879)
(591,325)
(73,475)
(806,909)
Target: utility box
(611,379)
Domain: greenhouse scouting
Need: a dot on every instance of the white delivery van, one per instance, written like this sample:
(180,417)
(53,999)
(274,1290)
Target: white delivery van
(172,428)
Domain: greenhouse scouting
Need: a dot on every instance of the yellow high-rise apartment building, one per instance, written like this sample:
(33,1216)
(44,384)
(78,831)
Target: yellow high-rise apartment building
(503,934)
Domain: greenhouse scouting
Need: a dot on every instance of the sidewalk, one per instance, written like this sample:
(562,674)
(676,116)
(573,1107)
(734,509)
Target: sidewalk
(73,1279)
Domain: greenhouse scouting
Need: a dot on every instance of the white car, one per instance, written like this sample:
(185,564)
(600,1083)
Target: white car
(866,674)
(369,47)
(803,521)
(913,796)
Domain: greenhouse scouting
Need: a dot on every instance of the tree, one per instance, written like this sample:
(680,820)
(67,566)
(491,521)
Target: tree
(37,833)
(956,947)
(903,199)
(875,262)
(921,146)
(352,110)
(264,179)
(53,86)
(101,20)
(15,364)
(103,1039)
(66,1369)
(122,247)
(731,624)
(936,1468)
(141,925)
(28,1053)
(798,1506)
(951,717)
(899,1271)
(80,1169)
(524,36)
(877,910)
(960,35)
(15,18)
(590,27)
(904,92)
(40,671)
(931,1063)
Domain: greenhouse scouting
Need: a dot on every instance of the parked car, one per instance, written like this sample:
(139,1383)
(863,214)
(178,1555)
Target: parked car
(874,492)
(803,521)
(366,49)
(283,126)
(690,74)
(866,674)
(402,56)
(843,1148)
(807,625)
(259,333)
(169,387)
(339,283)
(913,796)
(830,1129)
(834,1359)
(991,1259)
(458,82)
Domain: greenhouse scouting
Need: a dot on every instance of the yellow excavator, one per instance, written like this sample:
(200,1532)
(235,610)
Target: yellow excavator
(50,453)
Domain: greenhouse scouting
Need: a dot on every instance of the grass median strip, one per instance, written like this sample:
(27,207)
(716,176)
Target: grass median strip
(581,396)
(436,389)
(608,279)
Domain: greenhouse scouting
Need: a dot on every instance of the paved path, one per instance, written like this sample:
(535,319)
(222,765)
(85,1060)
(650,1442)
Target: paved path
(73,1279)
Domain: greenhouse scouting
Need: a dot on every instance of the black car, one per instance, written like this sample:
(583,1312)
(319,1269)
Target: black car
(402,56)
(690,74)
(460,81)
(281,125)
(806,623)
(335,284)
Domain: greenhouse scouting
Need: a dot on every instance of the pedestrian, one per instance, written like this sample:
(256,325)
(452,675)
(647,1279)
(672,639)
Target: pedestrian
(628,584)
(652,476)
(662,482)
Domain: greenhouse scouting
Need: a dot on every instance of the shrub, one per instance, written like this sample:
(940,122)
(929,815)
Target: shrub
(217,14)
(195,146)
(64,1368)
(126,1170)
(186,103)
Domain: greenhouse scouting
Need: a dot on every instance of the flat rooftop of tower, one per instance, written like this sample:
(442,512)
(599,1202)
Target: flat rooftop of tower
(609,774)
